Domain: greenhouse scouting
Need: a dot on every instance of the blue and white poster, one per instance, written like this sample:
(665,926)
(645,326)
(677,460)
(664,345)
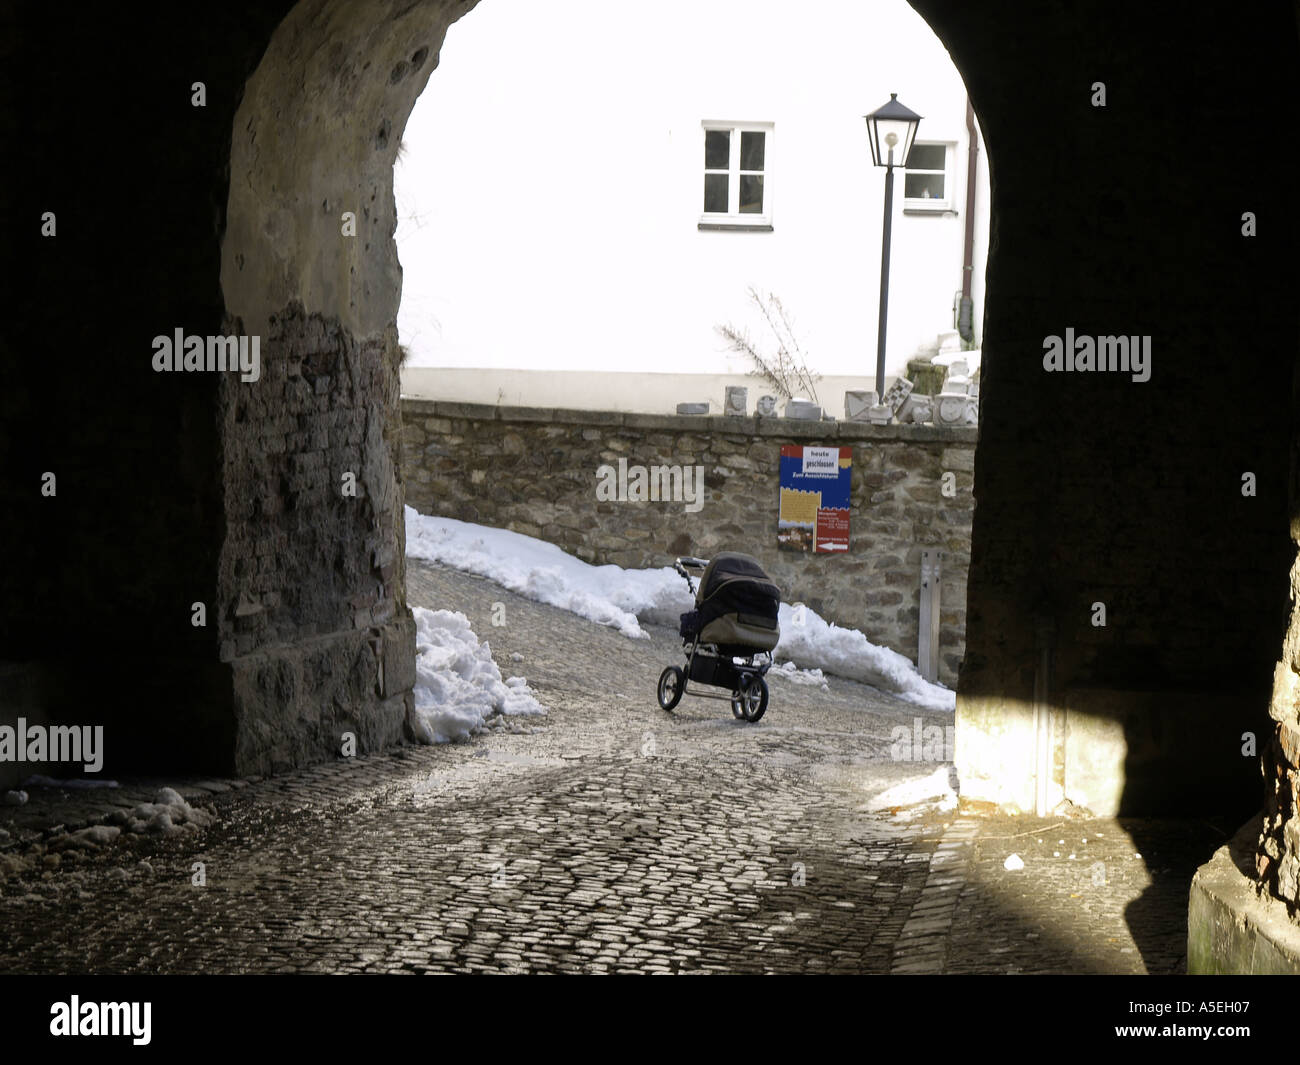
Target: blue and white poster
(815,491)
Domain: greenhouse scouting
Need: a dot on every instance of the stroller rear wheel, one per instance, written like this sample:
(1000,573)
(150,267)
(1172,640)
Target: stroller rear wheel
(672,681)
(749,701)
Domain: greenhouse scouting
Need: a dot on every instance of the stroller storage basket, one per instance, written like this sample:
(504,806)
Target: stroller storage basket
(712,669)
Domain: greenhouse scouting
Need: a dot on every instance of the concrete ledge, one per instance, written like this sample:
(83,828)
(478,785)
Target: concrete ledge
(411,405)
(477,412)
(1231,928)
(749,425)
(514,414)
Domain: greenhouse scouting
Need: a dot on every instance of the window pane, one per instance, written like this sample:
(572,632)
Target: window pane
(715,193)
(923,186)
(751,150)
(717,149)
(751,194)
(927,157)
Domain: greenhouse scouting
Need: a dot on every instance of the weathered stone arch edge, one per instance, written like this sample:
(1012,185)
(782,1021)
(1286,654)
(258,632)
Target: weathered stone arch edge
(316,134)
(300,157)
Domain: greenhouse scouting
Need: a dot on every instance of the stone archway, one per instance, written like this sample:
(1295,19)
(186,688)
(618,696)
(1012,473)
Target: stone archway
(1087,488)
(1117,220)
(1165,686)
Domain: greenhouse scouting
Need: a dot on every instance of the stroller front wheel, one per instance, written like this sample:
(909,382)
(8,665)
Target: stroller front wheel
(749,701)
(671,683)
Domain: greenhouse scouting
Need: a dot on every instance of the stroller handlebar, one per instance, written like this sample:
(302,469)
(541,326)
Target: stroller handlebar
(682,564)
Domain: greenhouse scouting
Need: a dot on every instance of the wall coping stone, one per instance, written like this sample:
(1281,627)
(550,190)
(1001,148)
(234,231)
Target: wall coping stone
(750,425)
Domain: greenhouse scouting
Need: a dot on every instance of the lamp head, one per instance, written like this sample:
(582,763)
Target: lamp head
(888,127)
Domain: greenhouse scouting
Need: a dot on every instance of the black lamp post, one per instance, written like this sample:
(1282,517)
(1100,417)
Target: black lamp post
(892,128)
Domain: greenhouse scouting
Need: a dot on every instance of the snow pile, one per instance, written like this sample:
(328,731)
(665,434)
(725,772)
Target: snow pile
(620,598)
(458,688)
(607,595)
(816,643)
(167,815)
(932,788)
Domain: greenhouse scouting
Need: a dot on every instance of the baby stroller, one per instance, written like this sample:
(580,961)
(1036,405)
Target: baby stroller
(732,626)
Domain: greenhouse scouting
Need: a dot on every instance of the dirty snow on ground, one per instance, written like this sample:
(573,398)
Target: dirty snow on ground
(167,815)
(458,687)
(622,598)
(813,678)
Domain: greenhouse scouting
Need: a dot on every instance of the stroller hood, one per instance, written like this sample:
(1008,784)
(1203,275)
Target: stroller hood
(737,603)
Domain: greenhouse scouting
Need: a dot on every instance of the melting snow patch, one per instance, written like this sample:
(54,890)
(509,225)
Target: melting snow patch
(622,599)
(458,687)
(789,671)
(167,815)
(930,789)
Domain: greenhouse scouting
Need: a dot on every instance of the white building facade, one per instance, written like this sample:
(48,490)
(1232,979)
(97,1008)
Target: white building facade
(587,192)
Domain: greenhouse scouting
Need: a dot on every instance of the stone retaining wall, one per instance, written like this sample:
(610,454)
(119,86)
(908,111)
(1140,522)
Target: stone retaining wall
(534,471)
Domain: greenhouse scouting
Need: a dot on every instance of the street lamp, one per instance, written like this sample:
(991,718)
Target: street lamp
(891,130)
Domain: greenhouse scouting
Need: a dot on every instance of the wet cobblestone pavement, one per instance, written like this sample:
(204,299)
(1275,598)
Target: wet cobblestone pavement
(607,836)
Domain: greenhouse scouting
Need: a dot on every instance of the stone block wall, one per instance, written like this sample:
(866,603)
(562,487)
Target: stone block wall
(311,603)
(534,471)
(309,480)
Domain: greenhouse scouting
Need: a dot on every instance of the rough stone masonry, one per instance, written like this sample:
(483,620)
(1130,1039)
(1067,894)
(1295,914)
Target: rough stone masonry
(536,471)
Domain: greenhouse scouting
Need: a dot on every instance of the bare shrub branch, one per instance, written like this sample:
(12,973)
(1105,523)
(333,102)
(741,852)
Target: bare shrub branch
(787,371)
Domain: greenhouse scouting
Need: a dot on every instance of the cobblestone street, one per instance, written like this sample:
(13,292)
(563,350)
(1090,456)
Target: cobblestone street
(607,836)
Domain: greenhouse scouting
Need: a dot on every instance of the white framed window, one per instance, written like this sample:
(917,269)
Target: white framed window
(737,186)
(927,181)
